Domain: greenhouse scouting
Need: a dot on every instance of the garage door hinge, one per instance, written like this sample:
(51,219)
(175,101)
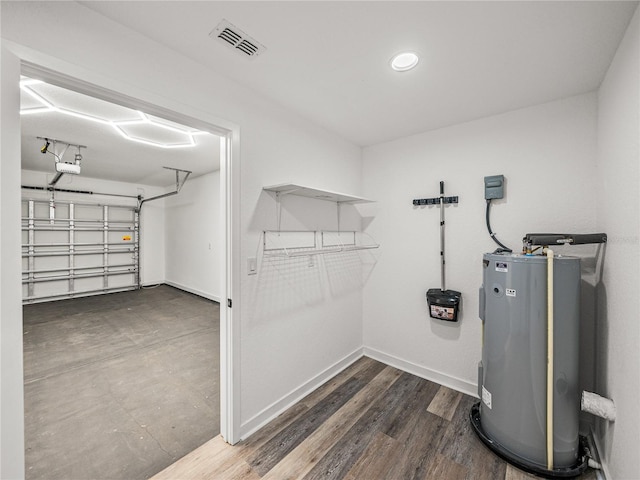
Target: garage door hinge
(229,302)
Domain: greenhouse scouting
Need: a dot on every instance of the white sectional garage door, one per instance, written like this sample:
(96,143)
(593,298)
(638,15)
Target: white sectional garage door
(78,249)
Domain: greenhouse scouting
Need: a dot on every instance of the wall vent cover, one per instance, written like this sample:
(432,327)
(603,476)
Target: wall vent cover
(235,38)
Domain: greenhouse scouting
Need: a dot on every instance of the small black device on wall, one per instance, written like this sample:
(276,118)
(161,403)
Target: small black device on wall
(443,304)
(494,190)
(494,187)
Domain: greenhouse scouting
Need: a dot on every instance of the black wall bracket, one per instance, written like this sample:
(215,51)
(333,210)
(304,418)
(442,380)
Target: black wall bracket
(434,201)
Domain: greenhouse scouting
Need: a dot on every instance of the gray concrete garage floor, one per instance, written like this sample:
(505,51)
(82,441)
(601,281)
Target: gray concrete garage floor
(119,386)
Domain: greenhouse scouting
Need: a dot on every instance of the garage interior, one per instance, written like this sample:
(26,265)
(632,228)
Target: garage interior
(121,341)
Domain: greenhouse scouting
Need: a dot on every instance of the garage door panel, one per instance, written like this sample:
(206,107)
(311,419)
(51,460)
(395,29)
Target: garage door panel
(78,249)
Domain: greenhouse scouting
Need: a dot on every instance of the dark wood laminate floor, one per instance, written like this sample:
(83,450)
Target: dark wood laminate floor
(119,386)
(369,422)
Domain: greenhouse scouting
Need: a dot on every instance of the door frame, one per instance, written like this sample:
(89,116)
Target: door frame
(77,78)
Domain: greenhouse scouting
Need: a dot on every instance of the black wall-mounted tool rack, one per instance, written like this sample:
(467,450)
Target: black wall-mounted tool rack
(434,201)
(443,304)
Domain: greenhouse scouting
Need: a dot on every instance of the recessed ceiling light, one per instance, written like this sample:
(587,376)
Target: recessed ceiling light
(404,61)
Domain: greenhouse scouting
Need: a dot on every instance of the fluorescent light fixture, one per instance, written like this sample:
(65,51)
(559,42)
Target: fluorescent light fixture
(404,61)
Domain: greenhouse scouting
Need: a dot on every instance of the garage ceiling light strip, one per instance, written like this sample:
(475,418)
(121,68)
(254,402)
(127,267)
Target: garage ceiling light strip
(124,134)
(84,116)
(47,106)
(145,120)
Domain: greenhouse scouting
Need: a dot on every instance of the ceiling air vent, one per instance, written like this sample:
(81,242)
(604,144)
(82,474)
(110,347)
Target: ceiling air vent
(235,38)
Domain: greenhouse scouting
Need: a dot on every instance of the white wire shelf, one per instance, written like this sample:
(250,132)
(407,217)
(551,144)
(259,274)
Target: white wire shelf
(307,243)
(319,194)
(300,252)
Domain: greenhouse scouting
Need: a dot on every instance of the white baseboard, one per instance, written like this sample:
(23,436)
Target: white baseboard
(276,408)
(272,411)
(440,378)
(195,291)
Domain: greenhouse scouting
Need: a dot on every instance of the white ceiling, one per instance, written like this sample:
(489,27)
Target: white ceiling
(329,61)
(109,155)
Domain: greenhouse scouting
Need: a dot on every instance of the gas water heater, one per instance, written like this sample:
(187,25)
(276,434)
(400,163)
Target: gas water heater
(528,377)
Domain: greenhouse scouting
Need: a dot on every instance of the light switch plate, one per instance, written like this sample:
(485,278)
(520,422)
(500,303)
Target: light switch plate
(252,265)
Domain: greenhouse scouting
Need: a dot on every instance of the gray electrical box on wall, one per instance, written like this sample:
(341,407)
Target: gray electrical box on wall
(494,187)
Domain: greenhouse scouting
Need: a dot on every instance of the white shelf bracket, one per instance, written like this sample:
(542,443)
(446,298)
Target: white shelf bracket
(278,210)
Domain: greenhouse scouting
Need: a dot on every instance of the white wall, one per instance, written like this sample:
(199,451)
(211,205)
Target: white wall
(152,227)
(281,355)
(192,226)
(286,348)
(547,154)
(619,215)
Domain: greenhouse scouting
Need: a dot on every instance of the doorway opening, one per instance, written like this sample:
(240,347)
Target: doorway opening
(147,305)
